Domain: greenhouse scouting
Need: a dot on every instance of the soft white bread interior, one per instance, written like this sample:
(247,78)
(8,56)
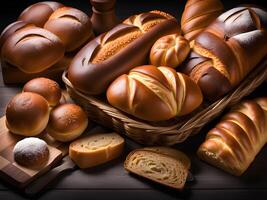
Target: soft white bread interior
(96,149)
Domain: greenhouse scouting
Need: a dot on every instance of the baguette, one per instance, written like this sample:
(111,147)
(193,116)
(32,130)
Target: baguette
(157,167)
(116,52)
(96,149)
(234,142)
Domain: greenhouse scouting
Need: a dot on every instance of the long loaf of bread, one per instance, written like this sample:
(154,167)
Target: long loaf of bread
(154,94)
(197,15)
(116,52)
(227,50)
(234,142)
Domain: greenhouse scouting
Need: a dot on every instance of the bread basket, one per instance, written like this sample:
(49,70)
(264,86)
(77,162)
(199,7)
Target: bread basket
(163,133)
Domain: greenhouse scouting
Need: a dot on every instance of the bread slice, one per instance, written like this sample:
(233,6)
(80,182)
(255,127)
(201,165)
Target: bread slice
(157,167)
(96,149)
(174,153)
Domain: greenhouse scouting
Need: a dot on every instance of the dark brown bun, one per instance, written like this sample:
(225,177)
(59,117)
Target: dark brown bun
(27,114)
(71,25)
(67,122)
(47,88)
(32,49)
(39,13)
(31,152)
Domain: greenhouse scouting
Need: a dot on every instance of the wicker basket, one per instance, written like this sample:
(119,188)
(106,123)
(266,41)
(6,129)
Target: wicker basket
(163,133)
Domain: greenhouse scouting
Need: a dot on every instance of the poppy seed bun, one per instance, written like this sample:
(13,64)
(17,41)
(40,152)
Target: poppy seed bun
(67,122)
(27,114)
(47,88)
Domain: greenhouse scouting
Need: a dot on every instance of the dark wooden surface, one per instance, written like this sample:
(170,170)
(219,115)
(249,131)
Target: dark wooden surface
(111,181)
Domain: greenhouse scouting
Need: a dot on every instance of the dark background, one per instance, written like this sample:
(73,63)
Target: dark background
(10,9)
(105,182)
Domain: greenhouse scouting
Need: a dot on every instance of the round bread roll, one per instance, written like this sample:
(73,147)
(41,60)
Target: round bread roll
(12,28)
(27,114)
(71,25)
(39,13)
(169,51)
(31,152)
(47,88)
(32,49)
(67,122)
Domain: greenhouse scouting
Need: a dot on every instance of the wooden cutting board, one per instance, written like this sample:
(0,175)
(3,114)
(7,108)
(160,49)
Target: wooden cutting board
(16,174)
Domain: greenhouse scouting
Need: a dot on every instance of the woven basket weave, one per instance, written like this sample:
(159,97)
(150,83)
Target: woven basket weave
(163,133)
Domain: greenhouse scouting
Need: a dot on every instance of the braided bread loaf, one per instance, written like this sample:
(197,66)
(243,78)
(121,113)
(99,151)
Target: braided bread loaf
(233,144)
(119,50)
(154,94)
(226,51)
(169,51)
(197,15)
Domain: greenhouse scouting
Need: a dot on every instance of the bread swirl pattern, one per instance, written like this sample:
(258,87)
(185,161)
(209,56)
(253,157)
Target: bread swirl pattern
(225,47)
(234,142)
(119,50)
(154,94)
(157,167)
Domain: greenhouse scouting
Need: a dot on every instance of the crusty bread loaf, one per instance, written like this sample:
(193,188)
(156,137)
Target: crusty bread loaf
(197,15)
(169,51)
(96,149)
(39,13)
(227,50)
(71,25)
(32,49)
(174,153)
(34,56)
(116,52)
(154,94)
(157,167)
(234,142)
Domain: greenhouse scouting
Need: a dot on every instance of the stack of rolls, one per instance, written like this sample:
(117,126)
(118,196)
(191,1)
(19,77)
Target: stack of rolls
(43,41)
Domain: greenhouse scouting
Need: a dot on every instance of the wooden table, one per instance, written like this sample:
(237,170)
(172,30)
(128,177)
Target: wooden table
(111,181)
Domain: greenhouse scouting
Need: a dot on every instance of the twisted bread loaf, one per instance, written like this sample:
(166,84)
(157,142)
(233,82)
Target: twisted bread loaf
(118,51)
(226,51)
(169,51)
(197,15)
(233,144)
(161,168)
(154,94)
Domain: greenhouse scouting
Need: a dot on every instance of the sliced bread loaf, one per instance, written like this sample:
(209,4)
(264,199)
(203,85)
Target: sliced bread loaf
(157,167)
(96,149)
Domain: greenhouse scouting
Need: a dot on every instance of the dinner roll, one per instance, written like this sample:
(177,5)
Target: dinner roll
(31,152)
(27,114)
(47,88)
(67,122)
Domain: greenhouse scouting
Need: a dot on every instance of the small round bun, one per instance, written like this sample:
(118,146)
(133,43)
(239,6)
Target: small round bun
(27,114)
(47,88)
(169,51)
(31,152)
(67,122)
